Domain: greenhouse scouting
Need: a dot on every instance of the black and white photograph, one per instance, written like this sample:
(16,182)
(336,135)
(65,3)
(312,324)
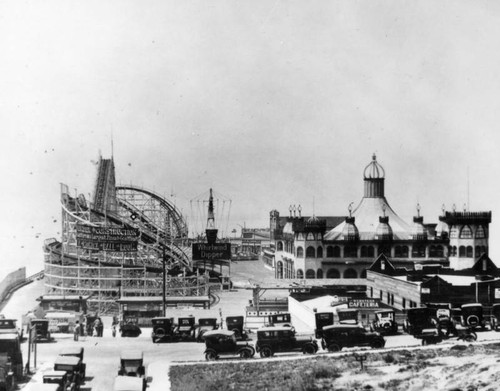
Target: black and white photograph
(206,195)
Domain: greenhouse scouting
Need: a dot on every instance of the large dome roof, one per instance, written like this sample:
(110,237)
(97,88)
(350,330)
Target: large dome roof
(374,170)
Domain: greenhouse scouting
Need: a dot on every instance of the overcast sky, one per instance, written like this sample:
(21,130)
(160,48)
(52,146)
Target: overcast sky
(270,103)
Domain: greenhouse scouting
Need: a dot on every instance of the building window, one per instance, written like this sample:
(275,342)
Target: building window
(310,252)
(300,273)
(280,246)
(363,274)
(404,302)
(310,274)
(418,251)
(468,251)
(453,232)
(466,232)
(461,252)
(371,291)
(310,236)
(350,252)
(453,251)
(350,273)
(367,252)
(332,273)
(480,232)
(436,251)
(279,270)
(319,273)
(320,252)
(336,252)
(329,252)
(300,236)
(300,252)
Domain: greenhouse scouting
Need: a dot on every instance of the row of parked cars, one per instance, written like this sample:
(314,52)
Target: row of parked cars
(68,374)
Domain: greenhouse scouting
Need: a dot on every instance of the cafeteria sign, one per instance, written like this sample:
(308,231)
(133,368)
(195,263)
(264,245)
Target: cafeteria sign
(106,238)
(363,303)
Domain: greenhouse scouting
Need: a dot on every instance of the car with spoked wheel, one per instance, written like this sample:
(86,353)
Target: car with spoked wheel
(277,339)
(339,336)
(223,343)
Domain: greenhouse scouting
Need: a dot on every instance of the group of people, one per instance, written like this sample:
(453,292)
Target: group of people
(93,326)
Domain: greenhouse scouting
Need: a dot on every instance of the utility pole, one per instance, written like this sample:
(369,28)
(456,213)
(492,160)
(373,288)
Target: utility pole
(164,283)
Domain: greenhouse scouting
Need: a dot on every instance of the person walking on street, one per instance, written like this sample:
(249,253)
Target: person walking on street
(76,331)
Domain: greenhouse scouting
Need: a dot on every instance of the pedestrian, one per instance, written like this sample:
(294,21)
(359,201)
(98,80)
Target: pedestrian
(76,331)
(100,328)
(113,329)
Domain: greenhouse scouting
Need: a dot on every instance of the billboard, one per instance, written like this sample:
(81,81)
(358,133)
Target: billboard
(107,238)
(211,252)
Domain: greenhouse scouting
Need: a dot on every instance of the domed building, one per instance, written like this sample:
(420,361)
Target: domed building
(343,247)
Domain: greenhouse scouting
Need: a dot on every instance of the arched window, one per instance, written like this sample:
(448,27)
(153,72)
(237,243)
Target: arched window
(386,250)
(319,273)
(336,252)
(439,251)
(300,252)
(279,270)
(468,252)
(280,246)
(310,252)
(320,252)
(478,251)
(329,252)
(453,232)
(367,252)
(310,274)
(300,273)
(363,275)
(461,251)
(418,251)
(480,232)
(350,273)
(405,252)
(454,251)
(332,273)
(364,251)
(397,251)
(300,236)
(350,252)
(466,232)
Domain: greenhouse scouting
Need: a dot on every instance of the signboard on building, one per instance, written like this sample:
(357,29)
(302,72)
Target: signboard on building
(425,291)
(210,252)
(363,303)
(497,293)
(106,238)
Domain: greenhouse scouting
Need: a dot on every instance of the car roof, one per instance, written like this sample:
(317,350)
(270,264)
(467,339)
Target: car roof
(162,318)
(128,383)
(218,332)
(8,336)
(274,328)
(131,355)
(472,305)
(71,350)
(54,373)
(343,326)
(67,360)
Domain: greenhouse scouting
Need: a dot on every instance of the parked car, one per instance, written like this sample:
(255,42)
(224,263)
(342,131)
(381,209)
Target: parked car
(418,319)
(385,322)
(163,329)
(10,349)
(224,343)
(277,339)
(432,336)
(339,336)
(322,319)
(9,326)
(57,381)
(130,330)
(132,364)
(72,366)
(48,387)
(185,329)
(76,351)
(284,319)
(495,317)
(42,329)
(127,383)
(472,316)
(204,325)
(347,315)
(236,323)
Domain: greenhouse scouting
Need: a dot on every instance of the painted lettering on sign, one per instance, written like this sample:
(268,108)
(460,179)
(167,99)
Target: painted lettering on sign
(210,252)
(363,303)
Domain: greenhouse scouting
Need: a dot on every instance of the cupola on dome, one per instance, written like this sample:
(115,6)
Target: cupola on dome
(374,170)
(350,231)
(384,230)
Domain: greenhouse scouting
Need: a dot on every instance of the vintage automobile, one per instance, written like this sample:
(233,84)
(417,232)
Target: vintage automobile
(418,319)
(284,319)
(58,381)
(472,316)
(339,336)
(236,323)
(495,317)
(185,329)
(277,339)
(347,315)
(132,364)
(7,381)
(385,322)
(130,330)
(10,347)
(76,351)
(163,329)
(127,383)
(72,366)
(224,343)
(204,325)
(9,326)
(322,319)
(42,329)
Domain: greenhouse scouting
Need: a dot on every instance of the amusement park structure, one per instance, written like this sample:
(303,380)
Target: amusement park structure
(147,241)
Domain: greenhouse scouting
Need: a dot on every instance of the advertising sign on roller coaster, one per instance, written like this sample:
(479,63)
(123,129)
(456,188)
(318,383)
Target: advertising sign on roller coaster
(212,251)
(106,238)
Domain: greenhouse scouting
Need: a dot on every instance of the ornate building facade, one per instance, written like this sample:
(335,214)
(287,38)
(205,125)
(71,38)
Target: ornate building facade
(343,247)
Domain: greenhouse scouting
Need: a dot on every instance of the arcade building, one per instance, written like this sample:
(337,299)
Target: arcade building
(344,247)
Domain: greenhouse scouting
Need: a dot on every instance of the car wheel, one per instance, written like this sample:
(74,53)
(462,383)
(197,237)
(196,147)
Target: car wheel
(265,352)
(473,320)
(245,353)
(334,347)
(377,344)
(210,355)
(309,349)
